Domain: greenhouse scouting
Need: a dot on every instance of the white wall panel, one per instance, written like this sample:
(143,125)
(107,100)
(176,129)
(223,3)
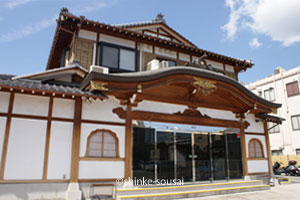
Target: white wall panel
(261,138)
(101,169)
(184,57)
(146,48)
(2,133)
(4,99)
(101,110)
(86,129)
(60,151)
(117,41)
(255,126)
(214,64)
(257,166)
(31,105)
(26,146)
(87,35)
(165,52)
(63,108)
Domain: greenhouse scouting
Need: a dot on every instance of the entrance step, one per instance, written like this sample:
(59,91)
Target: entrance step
(190,190)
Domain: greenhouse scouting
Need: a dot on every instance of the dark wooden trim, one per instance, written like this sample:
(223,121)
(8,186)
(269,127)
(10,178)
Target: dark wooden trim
(6,136)
(47,142)
(153,49)
(249,133)
(25,116)
(101,159)
(128,143)
(102,145)
(175,118)
(268,148)
(243,143)
(103,185)
(76,140)
(102,122)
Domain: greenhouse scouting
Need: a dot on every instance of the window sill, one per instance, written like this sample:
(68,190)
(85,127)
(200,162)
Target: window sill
(257,158)
(101,159)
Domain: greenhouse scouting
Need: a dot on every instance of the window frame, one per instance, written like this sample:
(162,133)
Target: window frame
(99,56)
(261,147)
(298,120)
(273,130)
(268,91)
(113,134)
(290,83)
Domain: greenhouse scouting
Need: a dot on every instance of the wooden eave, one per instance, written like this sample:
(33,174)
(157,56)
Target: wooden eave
(72,21)
(177,86)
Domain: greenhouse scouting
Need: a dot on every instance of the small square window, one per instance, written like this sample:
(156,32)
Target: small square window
(273,127)
(269,94)
(296,122)
(277,153)
(292,89)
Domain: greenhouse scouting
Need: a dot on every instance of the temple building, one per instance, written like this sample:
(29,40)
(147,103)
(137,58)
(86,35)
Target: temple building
(135,101)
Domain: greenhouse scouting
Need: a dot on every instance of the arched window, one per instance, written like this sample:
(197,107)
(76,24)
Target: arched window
(102,143)
(255,149)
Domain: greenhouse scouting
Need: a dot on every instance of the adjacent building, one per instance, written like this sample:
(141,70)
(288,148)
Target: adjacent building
(282,87)
(83,121)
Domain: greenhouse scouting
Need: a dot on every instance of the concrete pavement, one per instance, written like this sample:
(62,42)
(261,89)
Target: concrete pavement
(280,192)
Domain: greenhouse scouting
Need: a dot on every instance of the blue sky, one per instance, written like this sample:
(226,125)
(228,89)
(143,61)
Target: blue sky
(265,31)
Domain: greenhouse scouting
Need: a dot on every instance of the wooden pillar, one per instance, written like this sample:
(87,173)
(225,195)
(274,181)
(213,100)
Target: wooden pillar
(6,136)
(76,140)
(243,143)
(268,147)
(47,143)
(128,144)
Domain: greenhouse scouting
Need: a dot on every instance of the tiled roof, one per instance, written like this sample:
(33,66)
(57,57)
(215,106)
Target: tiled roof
(68,89)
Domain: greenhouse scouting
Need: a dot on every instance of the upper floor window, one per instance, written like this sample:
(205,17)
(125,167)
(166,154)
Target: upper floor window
(116,58)
(292,89)
(296,122)
(277,153)
(255,149)
(269,94)
(102,143)
(273,127)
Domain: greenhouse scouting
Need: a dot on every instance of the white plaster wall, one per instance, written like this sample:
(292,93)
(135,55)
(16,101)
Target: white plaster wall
(26,146)
(172,108)
(63,108)
(118,41)
(216,65)
(146,48)
(261,138)
(276,141)
(101,110)
(2,133)
(31,105)
(86,129)
(254,127)
(101,169)
(257,166)
(87,35)
(4,99)
(165,52)
(229,68)
(185,57)
(60,150)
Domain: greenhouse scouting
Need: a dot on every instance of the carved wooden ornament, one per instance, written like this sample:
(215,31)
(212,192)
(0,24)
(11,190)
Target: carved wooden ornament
(99,86)
(205,86)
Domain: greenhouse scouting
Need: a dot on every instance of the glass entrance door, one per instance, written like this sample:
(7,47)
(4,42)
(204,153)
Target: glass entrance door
(218,154)
(202,159)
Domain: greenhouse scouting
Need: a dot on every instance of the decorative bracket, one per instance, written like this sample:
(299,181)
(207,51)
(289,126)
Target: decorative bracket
(99,86)
(206,86)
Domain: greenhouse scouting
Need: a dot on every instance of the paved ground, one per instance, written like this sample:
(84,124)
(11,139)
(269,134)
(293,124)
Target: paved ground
(280,192)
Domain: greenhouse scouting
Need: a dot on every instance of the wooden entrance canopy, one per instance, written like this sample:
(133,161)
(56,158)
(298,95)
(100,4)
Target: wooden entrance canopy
(190,86)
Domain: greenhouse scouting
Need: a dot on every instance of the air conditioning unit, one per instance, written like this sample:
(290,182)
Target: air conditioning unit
(164,64)
(153,64)
(99,69)
(278,70)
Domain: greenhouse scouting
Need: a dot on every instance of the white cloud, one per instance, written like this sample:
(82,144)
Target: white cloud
(278,19)
(254,43)
(44,24)
(14,3)
(28,30)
